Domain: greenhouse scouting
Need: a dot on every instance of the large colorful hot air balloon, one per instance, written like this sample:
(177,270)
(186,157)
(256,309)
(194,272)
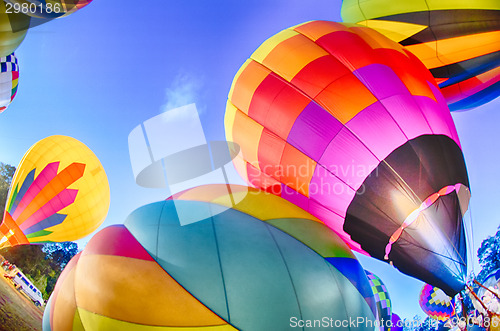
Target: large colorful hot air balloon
(59,192)
(382,299)
(9,77)
(351,127)
(13,29)
(459,41)
(227,271)
(435,303)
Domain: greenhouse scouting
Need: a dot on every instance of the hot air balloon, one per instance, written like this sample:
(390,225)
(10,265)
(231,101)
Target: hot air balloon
(9,76)
(228,271)
(61,311)
(13,29)
(382,299)
(47,9)
(59,192)
(397,323)
(351,127)
(435,303)
(459,41)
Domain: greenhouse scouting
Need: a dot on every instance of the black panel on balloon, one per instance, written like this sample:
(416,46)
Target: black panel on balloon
(398,186)
(444,24)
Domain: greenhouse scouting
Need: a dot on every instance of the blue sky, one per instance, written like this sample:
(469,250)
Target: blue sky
(97,74)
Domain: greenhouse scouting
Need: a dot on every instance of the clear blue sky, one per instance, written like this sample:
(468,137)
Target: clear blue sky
(99,73)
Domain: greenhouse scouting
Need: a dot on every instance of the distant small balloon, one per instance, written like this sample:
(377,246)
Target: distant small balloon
(48,9)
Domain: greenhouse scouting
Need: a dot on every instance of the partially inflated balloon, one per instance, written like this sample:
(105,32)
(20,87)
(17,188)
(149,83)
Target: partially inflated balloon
(382,299)
(9,76)
(13,29)
(351,127)
(435,303)
(226,271)
(59,192)
(459,41)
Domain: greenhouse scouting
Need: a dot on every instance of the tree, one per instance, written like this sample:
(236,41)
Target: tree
(42,264)
(6,173)
(489,256)
(60,253)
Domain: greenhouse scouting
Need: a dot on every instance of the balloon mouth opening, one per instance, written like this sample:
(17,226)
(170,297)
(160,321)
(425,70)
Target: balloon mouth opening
(463,195)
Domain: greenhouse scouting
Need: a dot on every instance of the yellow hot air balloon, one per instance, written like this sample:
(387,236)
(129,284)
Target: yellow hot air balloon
(59,192)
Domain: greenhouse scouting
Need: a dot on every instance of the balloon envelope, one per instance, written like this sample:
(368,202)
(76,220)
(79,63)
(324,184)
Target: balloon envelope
(228,271)
(13,29)
(435,303)
(9,77)
(290,219)
(459,41)
(351,127)
(382,299)
(59,192)
(397,323)
(61,312)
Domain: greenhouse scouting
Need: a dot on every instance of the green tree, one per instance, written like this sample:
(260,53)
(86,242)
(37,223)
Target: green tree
(6,174)
(489,256)
(60,253)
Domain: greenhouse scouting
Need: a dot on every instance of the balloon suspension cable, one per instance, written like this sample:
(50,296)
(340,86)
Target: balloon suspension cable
(415,213)
(477,298)
(487,289)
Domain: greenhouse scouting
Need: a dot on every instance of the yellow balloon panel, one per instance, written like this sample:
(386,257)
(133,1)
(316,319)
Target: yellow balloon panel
(97,322)
(60,191)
